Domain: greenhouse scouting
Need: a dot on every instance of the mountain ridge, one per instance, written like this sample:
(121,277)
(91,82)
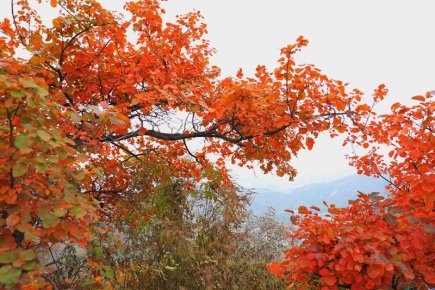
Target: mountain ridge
(336,192)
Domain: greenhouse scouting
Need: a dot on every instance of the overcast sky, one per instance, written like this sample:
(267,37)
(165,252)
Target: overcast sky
(363,42)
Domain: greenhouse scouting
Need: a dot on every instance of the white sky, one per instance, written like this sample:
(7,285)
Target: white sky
(363,42)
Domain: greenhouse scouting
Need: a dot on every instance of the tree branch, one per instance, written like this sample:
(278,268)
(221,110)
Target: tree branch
(210,133)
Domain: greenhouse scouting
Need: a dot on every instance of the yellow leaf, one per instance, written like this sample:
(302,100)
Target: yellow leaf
(19,169)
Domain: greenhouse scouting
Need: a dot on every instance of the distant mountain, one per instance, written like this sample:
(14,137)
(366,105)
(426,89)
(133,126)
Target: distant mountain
(336,192)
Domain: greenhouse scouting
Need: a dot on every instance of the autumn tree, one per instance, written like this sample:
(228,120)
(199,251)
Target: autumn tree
(375,242)
(195,237)
(84,99)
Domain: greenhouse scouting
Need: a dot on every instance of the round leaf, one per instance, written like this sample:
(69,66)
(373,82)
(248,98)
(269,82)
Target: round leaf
(19,169)
(9,275)
(23,141)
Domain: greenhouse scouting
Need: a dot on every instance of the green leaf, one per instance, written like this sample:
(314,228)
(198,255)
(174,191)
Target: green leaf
(98,251)
(70,197)
(9,275)
(44,135)
(17,94)
(29,266)
(7,257)
(30,236)
(48,220)
(78,212)
(52,159)
(41,92)
(397,258)
(41,167)
(23,141)
(109,274)
(75,117)
(59,212)
(28,255)
(28,83)
(19,169)
(79,175)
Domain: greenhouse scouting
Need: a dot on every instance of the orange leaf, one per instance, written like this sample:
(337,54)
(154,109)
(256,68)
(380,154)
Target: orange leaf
(375,270)
(276,269)
(12,220)
(303,210)
(310,143)
(239,73)
(340,105)
(419,98)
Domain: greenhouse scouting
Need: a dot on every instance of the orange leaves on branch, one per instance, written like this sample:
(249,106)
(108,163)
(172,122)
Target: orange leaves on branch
(380,93)
(291,49)
(340,105)
(376,241)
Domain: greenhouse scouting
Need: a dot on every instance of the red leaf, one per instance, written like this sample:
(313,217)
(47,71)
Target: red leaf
(328,280)
(276,269)
(324,272)
(375,270)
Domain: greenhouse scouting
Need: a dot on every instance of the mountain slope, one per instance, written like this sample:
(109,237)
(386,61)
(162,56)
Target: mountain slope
(336,192)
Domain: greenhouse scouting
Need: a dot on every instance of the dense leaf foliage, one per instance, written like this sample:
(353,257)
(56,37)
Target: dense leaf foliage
(376,242)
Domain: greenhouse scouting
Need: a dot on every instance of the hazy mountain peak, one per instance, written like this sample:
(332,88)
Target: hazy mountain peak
(336,192)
